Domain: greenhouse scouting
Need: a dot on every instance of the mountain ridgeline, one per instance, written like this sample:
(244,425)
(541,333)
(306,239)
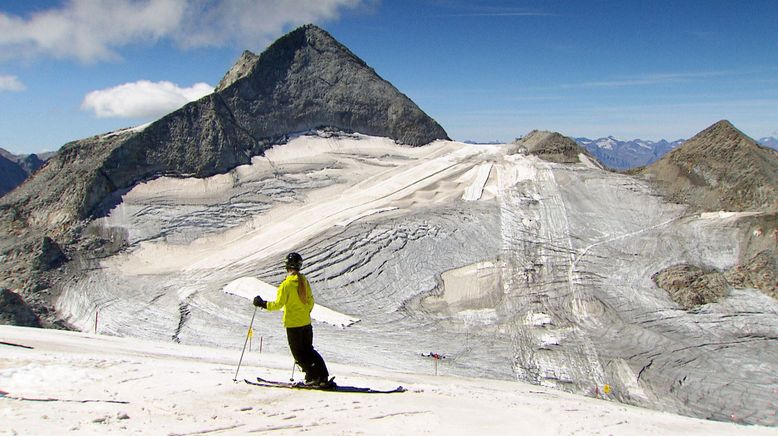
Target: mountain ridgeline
(303,81)
(720,168)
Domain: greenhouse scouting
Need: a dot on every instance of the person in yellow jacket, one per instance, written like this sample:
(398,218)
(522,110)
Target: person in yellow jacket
(295,297)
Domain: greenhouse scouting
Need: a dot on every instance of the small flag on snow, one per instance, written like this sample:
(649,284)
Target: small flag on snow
(251,332)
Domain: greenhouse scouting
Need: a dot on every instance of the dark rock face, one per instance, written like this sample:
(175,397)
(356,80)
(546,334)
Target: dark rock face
(14,170)
(307,79)
(48,255)
(14,311)
(241,69)
(691,286)
(719,169)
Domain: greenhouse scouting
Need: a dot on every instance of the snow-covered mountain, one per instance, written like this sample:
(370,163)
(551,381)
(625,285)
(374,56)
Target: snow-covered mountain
(619,154)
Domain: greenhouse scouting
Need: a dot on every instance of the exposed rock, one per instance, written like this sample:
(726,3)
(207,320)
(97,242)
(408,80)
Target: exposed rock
(48,255)
(551,146)
(14,311)
(761,272)
(307,80)
(719,169)
(691,286)
(241,69)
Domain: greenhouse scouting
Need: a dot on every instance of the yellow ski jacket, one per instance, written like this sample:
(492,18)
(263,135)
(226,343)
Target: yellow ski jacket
(296,313)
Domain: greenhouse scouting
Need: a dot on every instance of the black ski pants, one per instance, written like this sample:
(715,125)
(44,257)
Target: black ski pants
(301,345)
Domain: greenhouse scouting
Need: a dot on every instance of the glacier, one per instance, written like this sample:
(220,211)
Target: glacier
(513,267)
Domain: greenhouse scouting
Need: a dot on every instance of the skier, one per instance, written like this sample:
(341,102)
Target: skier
(295,297)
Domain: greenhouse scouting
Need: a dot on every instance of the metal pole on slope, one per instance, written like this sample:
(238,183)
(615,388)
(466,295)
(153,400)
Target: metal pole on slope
(251,325)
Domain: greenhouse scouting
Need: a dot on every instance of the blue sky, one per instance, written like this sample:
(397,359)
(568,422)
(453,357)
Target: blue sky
(485,70)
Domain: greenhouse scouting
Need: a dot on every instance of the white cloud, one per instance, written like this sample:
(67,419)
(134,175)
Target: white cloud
(142,99)
(93,30)
(251,23)
(11,83)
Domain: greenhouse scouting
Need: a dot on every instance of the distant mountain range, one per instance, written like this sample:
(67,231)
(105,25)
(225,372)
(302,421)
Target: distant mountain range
(622,155)
(769,141)
(15,169)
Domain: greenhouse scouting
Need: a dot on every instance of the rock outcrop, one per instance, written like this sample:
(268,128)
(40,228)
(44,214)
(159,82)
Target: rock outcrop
(551,146)
(719,169)
(239,70)
(14,311)
(691,286)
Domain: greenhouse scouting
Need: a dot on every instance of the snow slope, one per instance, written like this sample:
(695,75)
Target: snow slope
(56,382)
(515,268)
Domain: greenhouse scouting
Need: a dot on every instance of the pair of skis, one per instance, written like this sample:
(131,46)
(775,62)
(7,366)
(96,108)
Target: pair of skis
(332,387)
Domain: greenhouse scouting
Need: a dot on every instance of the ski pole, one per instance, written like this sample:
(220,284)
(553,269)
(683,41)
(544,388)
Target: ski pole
(244,344)
(291,379)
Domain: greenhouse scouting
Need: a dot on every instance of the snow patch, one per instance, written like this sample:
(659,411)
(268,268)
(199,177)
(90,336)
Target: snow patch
(476,189)
(725,215)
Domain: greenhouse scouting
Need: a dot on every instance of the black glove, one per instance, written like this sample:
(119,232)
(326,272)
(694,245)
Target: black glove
(259,302)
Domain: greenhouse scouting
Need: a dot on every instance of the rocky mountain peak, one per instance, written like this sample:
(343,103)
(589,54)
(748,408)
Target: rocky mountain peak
(551,146)
(240,69)
(720,168)
(721,135)
(307,79)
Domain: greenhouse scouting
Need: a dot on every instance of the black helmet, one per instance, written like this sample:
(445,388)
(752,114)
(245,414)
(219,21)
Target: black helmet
(294,261)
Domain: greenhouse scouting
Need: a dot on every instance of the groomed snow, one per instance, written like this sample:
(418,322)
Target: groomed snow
(57,382)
